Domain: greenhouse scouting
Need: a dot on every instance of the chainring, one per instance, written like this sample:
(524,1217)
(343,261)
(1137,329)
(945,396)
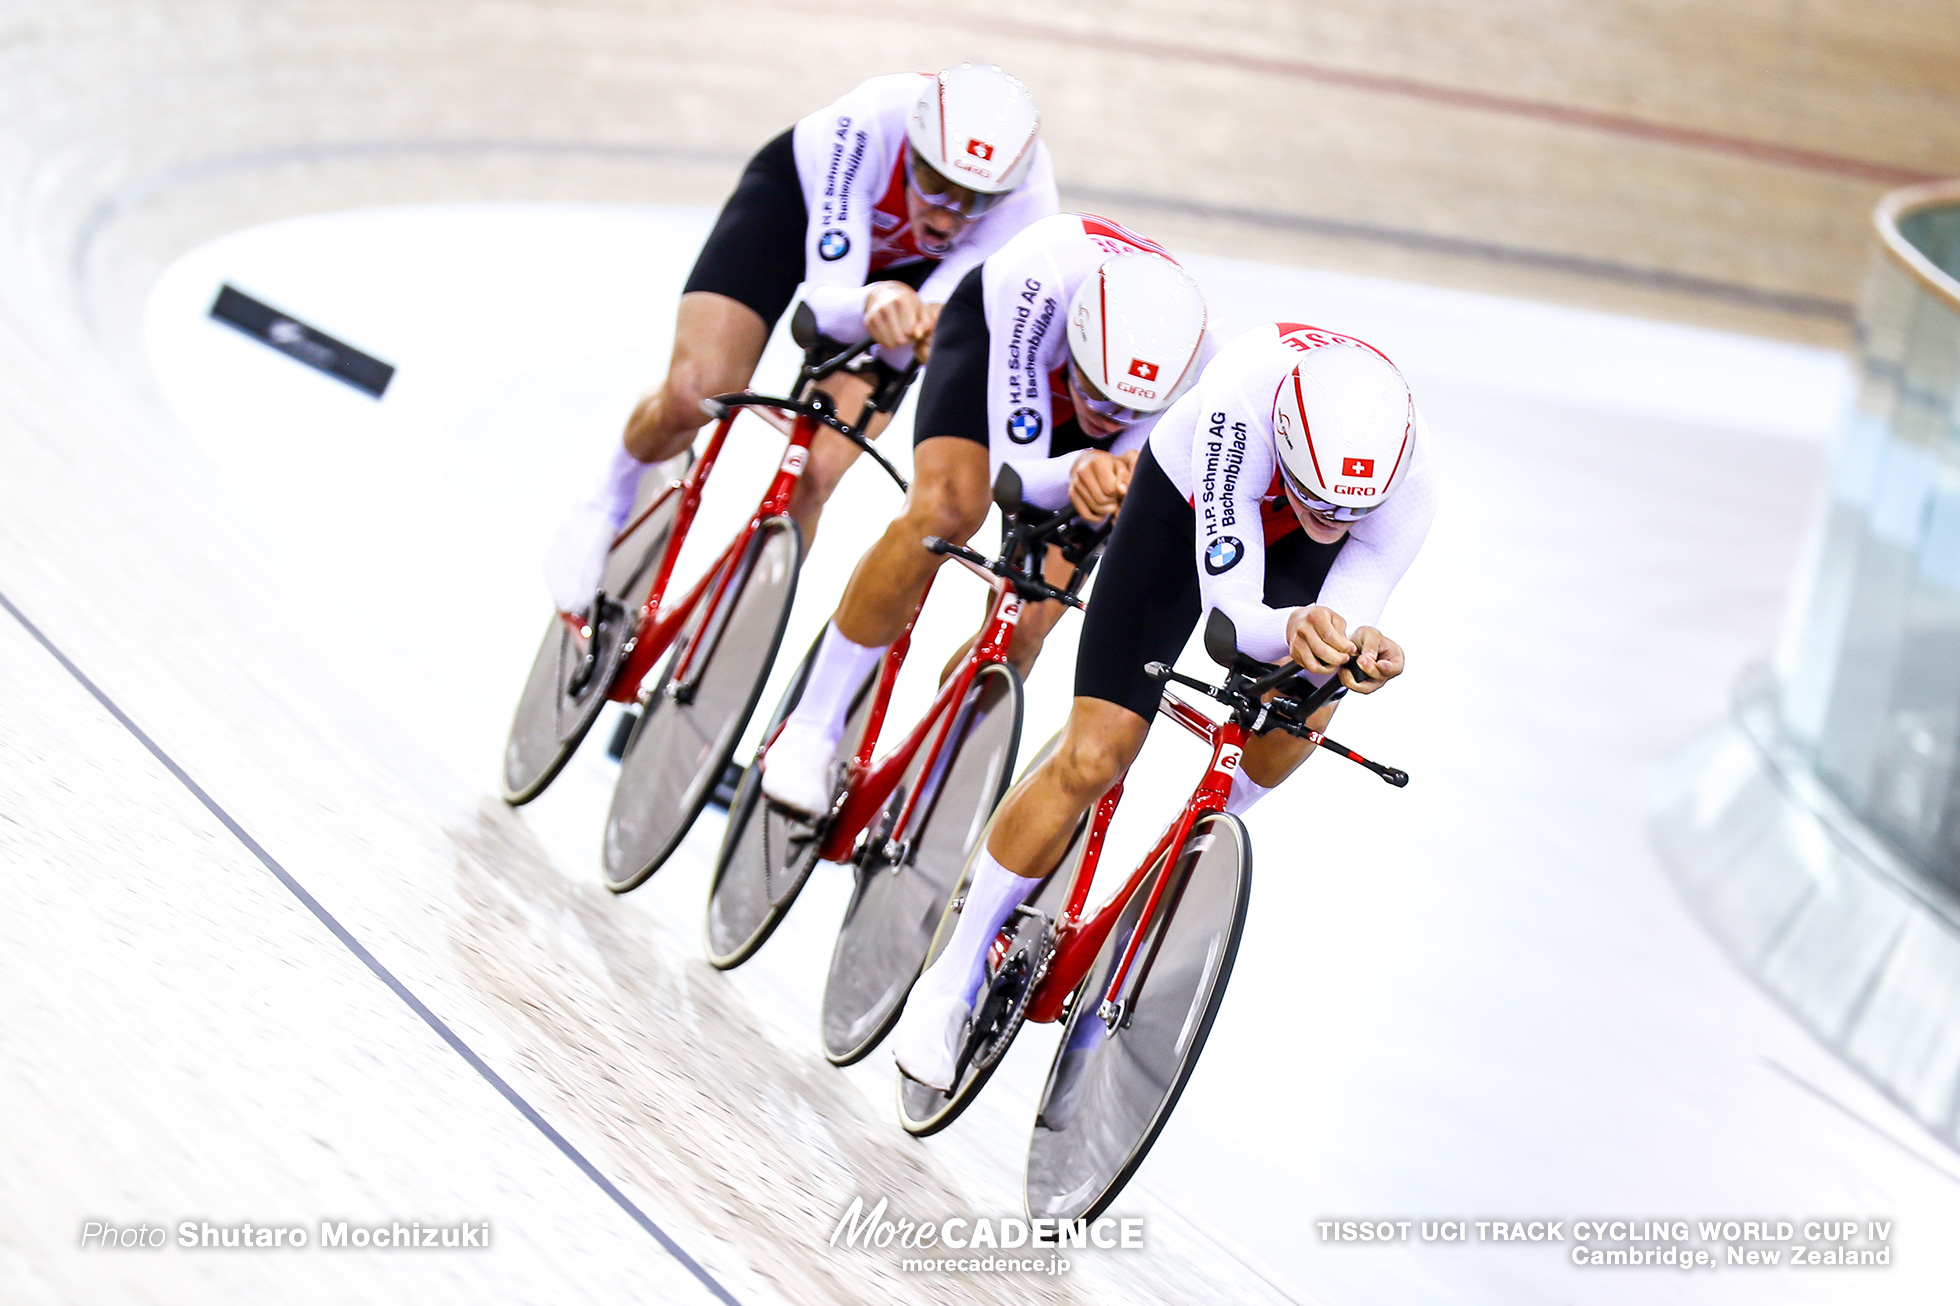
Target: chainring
(1005,1006)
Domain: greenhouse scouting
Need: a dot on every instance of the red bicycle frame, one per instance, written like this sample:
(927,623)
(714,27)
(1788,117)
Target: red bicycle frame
(871,785)
(657,626)
(1078,941)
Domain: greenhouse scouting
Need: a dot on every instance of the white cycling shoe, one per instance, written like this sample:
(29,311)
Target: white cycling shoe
(926,1041)
(576,561)
(796,771)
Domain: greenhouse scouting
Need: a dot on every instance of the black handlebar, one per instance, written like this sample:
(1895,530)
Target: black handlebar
(888,387)
(1248,682)
(1026,533)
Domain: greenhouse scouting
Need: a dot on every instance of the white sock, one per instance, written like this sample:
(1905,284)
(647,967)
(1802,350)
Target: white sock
(840,668)
(990,899)
(619,485)
(1245,792)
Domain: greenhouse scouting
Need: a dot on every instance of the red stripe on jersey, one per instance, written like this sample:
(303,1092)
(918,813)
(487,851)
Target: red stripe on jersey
(1276,517)
(899,243)
(1061,405)
(1286,329)
(1095,226)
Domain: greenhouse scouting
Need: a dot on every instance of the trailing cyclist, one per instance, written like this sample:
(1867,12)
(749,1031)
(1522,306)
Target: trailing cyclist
(878,205)
(1290,489)
(1057,355)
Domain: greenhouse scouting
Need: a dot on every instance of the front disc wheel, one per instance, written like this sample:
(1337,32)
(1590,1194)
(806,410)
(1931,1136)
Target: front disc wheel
(904,880)
(692,720)
(767,854)
(572,676)
(1122,1065)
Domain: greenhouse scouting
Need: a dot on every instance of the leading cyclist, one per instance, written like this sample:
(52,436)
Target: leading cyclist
(1056,355)
(878,204)
(1291,489)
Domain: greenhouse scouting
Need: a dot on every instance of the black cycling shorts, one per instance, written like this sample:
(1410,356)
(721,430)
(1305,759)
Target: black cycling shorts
(1146,600)
(754,255)
(953,394)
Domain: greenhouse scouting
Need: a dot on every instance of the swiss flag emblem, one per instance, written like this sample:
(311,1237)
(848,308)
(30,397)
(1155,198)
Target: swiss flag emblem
(1362,467)
(1143,371)
(980,150)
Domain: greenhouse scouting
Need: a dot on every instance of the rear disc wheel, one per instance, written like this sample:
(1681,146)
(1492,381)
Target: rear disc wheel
(924,1110)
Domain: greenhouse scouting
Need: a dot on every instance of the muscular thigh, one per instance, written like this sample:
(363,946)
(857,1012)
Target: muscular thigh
(1146,600)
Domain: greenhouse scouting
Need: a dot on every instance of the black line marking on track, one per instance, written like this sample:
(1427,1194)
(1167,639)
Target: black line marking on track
(381,972)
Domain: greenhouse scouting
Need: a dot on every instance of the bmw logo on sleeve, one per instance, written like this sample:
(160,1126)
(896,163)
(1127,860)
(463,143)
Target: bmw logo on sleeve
(833,245)
(1223,554)
(1024,427)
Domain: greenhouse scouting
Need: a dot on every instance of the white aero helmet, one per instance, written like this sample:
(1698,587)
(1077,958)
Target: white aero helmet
(976,127)
(1342,423)
(1135,328)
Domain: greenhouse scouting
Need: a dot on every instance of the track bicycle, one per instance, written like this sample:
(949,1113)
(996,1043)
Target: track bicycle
(723,631)
(907,820)
(1137,984)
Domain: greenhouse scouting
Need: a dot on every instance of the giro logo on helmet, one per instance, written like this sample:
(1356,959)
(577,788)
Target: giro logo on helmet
(1142,370)
(1357,467)
(1223,554)
(980,150)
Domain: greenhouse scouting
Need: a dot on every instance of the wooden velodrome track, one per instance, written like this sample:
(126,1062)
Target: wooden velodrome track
(1665,159)
(1713,163)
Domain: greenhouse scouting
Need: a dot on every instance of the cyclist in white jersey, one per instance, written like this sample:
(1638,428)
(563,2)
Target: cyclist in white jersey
(1291,489)
(877,205)
(1057,355)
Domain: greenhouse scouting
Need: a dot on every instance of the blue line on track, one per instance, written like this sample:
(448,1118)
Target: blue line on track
(381,972)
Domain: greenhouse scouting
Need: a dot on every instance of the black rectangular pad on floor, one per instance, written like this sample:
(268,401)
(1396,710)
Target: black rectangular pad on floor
(269,326)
